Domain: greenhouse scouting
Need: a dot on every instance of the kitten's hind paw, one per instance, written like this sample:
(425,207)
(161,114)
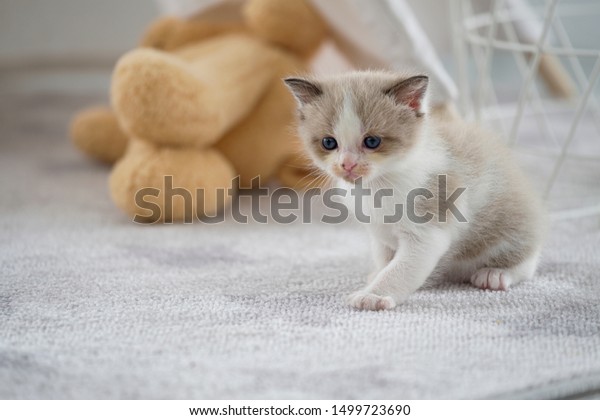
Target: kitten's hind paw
(492,278)
(370,302)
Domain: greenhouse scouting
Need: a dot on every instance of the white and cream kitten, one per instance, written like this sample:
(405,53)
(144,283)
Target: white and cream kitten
(375,126)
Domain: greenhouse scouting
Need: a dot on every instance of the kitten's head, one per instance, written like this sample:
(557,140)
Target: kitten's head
(360,124)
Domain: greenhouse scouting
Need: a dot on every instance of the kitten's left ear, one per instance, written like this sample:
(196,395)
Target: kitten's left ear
(410,92)
(303,90)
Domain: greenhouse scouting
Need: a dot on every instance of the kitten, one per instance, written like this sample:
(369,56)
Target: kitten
(375,127)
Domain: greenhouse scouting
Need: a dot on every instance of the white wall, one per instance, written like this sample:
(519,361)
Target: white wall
(41,30)
(55,30)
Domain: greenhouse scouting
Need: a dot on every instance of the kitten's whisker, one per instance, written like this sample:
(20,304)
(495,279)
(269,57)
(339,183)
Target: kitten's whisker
(313,182)
(313,172)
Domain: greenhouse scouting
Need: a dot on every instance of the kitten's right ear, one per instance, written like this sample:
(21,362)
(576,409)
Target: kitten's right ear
(304,91)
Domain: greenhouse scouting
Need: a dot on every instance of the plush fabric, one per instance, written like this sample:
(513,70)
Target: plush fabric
(94,306)
(203,101)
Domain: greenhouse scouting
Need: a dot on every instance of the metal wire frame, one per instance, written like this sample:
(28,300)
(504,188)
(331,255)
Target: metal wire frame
(468,28)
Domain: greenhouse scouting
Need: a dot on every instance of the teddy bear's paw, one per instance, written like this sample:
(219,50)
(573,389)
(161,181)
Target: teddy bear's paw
(97,133)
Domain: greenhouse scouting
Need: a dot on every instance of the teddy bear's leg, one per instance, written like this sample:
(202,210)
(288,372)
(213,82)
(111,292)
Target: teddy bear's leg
(97,133)
(153,183)
(157,99)
(193,98)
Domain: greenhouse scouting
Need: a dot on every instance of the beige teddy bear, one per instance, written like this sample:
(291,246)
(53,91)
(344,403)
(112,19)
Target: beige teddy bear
(201,103)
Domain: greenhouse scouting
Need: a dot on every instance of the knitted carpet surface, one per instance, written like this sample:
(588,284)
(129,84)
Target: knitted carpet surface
(95,306)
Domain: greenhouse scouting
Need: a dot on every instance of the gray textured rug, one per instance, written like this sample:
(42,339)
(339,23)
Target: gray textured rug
(93,306)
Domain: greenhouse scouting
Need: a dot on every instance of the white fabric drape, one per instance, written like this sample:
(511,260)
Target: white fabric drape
(374,34)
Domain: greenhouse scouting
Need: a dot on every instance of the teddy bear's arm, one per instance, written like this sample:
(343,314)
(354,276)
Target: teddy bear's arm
(171,33)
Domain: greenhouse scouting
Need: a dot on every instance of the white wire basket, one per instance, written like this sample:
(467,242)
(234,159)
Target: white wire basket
(530,69)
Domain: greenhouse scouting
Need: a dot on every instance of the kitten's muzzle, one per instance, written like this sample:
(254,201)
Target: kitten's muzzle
(350,172)
(351,176)
(348,167)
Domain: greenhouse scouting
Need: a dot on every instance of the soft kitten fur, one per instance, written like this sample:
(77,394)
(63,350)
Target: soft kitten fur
(499,244)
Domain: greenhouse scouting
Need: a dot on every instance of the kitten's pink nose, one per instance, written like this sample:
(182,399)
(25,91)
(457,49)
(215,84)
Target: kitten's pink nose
(348,165)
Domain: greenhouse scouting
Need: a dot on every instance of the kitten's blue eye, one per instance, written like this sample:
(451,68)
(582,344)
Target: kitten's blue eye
(372,142)
(329,143)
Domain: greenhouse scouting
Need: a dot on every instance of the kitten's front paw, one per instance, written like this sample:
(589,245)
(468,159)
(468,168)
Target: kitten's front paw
(370,301)
(491,278)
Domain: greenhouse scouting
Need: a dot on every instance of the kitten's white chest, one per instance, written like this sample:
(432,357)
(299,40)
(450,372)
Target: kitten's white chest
(366,204)
(383,206)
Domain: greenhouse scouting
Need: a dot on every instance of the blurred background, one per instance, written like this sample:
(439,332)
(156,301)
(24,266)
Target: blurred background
(86,37)
(70,30)
(69,47)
